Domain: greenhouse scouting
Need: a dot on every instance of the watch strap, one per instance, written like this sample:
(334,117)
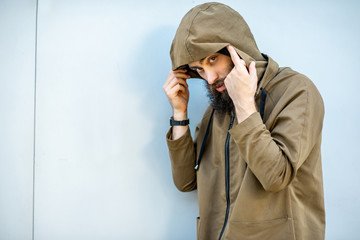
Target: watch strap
(179,123)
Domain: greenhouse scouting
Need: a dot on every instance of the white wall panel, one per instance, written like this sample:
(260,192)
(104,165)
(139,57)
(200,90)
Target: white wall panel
(17,84)
(102,170)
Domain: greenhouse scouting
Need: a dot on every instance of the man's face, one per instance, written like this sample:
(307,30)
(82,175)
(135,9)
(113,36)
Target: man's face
(214,69)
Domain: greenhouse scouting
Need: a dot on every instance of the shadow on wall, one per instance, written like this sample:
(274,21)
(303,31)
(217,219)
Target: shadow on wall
(152,66)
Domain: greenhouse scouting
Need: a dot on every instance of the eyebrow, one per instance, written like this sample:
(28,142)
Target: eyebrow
(201,61)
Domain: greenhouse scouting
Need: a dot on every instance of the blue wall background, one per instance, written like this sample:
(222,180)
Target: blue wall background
(84,117)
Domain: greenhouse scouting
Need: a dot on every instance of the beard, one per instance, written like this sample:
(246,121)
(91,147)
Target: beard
(220,101)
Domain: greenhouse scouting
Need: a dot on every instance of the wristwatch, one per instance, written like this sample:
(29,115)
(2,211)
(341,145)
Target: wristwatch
(179,123)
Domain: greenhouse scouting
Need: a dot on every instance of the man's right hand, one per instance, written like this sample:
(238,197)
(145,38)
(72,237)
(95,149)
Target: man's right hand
(176,89)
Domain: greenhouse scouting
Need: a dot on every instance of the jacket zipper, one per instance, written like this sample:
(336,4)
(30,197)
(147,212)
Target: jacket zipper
(227,175)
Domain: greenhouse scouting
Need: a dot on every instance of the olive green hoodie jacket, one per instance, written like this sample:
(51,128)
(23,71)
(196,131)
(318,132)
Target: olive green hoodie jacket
(262,178)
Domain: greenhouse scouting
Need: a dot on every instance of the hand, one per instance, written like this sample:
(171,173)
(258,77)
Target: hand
(241,85)
(176,89)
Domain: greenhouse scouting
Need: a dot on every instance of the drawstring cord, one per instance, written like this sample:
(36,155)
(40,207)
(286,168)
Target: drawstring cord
(262,110)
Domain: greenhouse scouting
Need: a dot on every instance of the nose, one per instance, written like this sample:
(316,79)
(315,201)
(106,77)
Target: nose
(211,76)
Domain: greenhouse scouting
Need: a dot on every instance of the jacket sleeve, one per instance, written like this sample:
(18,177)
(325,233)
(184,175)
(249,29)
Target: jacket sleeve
(275,155)
(182,156)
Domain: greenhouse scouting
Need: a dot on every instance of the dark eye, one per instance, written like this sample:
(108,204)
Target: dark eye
(212,59)
(199,69)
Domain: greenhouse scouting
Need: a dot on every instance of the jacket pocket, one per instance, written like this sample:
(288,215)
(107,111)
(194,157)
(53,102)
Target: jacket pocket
(276,229)
(198,228)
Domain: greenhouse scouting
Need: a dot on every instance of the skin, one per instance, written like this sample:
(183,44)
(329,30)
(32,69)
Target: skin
(224,72)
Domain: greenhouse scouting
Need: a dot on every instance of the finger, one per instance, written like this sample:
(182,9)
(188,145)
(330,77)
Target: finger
(174,84)
(177,78)
(242,62)
(252,70)
(234,56)
(173,75)
(168,79)
(177,90)
(181,89)
(180,81)
(180,70)
(182,75)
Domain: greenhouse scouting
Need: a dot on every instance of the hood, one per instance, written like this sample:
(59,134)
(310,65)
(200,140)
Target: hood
(208,28)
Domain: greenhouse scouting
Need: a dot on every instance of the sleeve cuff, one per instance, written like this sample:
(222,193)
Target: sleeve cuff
(179,143)
(245,127)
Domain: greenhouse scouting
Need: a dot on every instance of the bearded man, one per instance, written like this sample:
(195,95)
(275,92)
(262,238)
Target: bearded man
(255,159)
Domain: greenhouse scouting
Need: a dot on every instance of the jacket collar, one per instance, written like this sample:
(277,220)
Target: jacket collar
(270,72)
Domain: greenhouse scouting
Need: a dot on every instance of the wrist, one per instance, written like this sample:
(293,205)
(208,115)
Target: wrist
(179,116)
(179,130)
(244,113)
(242,116)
